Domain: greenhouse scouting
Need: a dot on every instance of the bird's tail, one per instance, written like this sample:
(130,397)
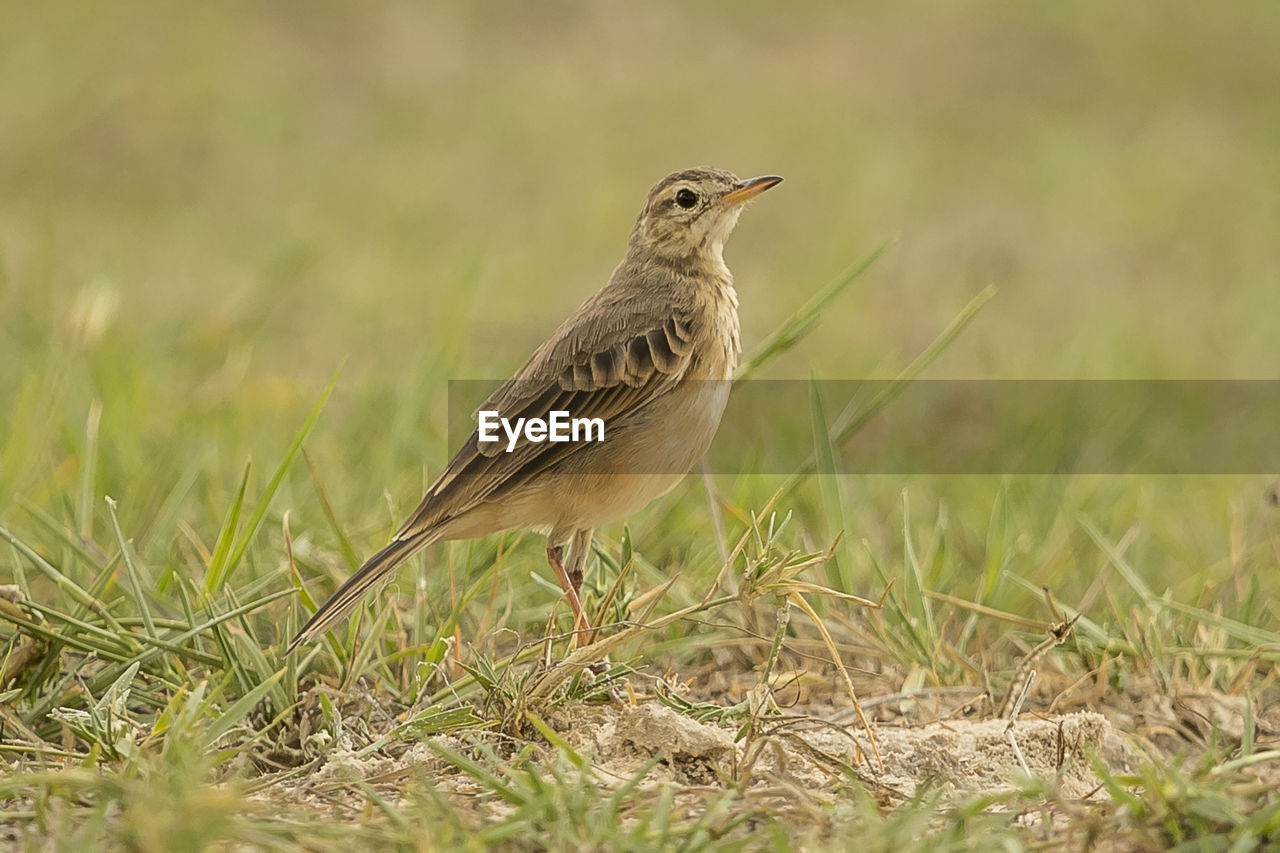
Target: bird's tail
(351,593)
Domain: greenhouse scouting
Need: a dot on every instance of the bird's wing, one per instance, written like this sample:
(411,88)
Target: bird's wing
(608,361)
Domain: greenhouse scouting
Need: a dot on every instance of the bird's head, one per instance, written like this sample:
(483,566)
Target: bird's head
(692,213)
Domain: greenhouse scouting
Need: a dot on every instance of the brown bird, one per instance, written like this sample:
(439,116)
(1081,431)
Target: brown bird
(651,355)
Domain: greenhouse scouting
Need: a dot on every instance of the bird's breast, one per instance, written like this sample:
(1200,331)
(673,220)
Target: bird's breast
(719,341)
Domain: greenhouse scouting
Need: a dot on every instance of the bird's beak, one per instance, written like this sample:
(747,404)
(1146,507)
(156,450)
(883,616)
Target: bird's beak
(744,191)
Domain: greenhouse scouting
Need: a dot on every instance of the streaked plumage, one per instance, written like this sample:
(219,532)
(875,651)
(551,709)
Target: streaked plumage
(651,354)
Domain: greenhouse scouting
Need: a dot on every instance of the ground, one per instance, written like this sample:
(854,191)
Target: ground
(249,253)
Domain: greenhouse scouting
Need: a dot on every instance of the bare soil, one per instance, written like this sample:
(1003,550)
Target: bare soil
(934,739)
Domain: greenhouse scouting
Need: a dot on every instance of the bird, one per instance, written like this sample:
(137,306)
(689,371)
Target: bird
(651,355)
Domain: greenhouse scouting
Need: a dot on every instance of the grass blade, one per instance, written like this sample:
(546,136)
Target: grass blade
(260,511)
(222,548)
(241,709)
(854,417)
(838,571)
(135,583)
(806,319)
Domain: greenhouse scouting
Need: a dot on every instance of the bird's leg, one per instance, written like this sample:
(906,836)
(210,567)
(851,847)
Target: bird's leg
(554,555)
(574,566)
(578,559)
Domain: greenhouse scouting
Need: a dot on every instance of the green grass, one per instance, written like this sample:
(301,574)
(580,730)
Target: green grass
(243,250)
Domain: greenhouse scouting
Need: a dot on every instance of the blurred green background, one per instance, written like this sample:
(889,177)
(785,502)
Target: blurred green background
(206,209)
(209,209)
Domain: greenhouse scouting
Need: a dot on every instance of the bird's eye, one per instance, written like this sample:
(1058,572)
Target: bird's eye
(686,198)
